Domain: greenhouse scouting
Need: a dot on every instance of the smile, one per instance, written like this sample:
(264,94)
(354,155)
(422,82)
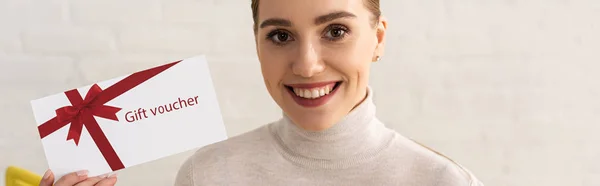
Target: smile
(313,94)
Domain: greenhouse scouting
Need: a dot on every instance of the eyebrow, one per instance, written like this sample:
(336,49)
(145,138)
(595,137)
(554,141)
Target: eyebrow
(319,20)
(276,22)
(333,16)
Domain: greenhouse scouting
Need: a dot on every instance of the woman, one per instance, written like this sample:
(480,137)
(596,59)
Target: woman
(315,57)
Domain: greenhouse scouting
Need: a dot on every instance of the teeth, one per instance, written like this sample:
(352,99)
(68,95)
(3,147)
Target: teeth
(313,93)
(298,92)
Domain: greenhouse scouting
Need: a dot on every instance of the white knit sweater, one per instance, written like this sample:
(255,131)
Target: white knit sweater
(359,150)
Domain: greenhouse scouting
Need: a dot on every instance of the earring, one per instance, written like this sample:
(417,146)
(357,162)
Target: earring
(377,58)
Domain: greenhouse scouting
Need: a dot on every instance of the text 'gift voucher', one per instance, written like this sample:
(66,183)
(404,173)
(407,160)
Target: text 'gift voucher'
(130,120)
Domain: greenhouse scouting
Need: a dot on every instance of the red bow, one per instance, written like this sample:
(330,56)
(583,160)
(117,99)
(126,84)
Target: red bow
(81,112)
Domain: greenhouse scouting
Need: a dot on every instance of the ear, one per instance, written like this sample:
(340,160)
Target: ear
(380,32)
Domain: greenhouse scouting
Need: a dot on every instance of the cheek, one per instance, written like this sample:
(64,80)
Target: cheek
(351,60)
(351,68)
(273,68)
(355,51)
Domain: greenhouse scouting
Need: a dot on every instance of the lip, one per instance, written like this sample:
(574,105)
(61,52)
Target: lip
(311,85)
(311,103)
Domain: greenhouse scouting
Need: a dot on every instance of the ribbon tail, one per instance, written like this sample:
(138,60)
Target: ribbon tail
(75,131)
(103,144)
(105,111)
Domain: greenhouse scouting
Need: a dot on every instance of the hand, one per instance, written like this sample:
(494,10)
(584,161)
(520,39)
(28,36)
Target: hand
(78,178)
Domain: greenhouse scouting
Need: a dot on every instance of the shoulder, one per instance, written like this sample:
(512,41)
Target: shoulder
(250,141)
(442,169)
(212,160)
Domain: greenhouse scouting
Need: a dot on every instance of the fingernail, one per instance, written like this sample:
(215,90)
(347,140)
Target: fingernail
(46,174)
(114,175)
(82,173)
(103,176)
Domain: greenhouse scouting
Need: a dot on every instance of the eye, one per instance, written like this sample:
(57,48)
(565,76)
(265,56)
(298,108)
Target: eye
(336,32)
(279,37)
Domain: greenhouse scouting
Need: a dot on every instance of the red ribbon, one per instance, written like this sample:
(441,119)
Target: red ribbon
(82,111)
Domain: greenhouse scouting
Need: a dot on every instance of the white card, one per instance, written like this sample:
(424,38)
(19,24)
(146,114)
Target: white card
(130,120)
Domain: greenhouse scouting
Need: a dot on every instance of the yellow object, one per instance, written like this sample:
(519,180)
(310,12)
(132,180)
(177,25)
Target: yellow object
(16,176)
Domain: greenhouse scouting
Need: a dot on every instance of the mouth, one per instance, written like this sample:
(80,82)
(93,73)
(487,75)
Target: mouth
(313,94)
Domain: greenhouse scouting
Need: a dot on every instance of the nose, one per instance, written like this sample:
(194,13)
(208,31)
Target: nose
(308,61)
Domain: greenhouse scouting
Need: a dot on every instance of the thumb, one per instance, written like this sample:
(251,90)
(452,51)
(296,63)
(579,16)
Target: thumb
(47,179)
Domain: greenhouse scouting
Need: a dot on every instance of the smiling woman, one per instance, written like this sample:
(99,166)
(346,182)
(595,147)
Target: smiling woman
(315,59)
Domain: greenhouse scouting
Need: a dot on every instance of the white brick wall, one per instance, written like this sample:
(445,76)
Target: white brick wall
(115,12)
(26,12)
(67,40)
(507,88)
(164,40)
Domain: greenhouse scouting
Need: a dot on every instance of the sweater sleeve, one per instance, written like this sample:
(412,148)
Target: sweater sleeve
(185,175)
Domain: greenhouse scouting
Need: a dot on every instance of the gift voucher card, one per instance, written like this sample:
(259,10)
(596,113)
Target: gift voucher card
(130,120)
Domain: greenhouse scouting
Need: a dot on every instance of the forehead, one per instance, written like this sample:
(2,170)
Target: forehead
(307,10)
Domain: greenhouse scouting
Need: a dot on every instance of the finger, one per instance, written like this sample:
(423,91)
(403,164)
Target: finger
(47,179)
(90,181)
(72,178)
(109,181)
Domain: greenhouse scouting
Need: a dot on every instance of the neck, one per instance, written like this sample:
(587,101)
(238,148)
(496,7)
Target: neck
(316,127)
(355,137)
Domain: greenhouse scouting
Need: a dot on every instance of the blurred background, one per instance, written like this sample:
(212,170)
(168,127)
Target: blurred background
(508,88)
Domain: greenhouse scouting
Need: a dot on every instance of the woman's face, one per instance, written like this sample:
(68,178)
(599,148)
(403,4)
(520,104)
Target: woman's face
(315,56)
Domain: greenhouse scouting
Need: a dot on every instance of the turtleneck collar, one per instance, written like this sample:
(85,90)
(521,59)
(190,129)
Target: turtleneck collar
(356,138)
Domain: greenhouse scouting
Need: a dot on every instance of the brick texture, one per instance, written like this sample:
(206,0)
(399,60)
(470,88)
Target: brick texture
(507,88)
(67,41)
(32,12)
(114,12)
(164,40)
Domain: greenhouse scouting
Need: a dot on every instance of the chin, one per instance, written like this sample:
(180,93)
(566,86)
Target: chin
(313,112)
